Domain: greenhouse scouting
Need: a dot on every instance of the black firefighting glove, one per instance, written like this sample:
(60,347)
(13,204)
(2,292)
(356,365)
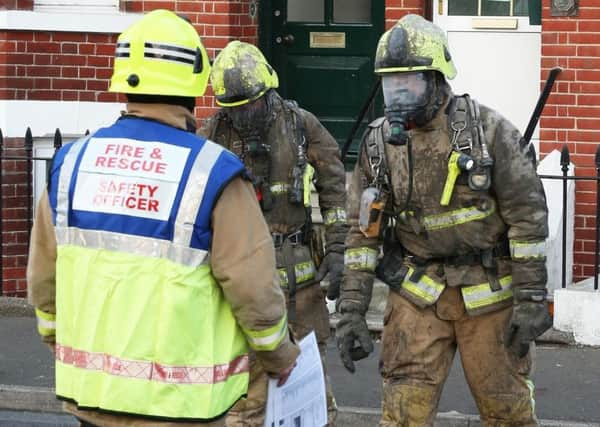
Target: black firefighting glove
(530,319)
(333,267)
(353,327)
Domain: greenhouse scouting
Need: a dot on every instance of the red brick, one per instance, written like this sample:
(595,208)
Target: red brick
(98,61)
(69,60)
(584,63)
(87,96)
(592,124)
(558,25)
(68,84)
(108,97)
(588,51)
(584,38)
(87,48)
(43,47)
(69,95)
(19,58)
(87,72)
(585,112)
(393,3)
(217,19)
(557,122)
(107,49)
(68,37)
(42,36)
(43,71)
(588,100)
(42,59)
(21,35)
(558,50)
(97,38)
(97,85)
(561,99)
(584,136)
(589,13)
(103,73)
(70,72)
(69,48)
(41,83)
(588,75)
(585,88)
(549,38)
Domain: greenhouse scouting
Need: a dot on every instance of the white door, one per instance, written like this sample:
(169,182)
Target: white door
(497,54)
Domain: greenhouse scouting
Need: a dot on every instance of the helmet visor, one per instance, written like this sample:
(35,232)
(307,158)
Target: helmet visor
(405,90)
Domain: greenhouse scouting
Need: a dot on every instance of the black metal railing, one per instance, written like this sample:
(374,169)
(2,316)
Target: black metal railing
(28,160)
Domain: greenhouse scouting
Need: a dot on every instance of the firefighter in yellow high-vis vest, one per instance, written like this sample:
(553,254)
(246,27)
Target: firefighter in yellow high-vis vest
(151,267)
(449,189)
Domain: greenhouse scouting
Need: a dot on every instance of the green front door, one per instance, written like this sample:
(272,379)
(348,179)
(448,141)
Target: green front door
(323,51)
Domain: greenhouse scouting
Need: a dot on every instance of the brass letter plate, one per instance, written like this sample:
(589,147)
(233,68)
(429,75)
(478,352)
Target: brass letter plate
(495,23)
(327,40)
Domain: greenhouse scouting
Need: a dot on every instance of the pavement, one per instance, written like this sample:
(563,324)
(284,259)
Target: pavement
(567,379)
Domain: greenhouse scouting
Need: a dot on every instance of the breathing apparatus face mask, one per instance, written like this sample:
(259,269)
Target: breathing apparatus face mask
(406,97)
(250,119)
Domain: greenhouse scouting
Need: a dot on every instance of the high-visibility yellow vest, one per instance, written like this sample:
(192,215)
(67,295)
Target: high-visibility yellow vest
(142,327)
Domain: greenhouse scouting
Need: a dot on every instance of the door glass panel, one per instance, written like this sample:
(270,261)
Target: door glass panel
(352,11)
(462,7)
(306,10)
(495,7)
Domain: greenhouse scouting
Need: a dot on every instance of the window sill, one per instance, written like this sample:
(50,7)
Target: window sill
(69,22)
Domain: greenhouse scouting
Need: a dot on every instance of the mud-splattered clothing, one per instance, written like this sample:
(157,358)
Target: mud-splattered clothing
(443,268)
(289,129)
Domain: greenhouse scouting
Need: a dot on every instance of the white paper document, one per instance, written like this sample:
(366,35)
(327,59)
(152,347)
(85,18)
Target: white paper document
(301,401)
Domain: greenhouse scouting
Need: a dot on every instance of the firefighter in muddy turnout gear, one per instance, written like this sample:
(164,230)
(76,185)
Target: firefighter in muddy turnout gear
(286,150)
(148,286)
(448,188)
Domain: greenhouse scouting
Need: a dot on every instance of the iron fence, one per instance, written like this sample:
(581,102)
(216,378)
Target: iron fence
(28,160)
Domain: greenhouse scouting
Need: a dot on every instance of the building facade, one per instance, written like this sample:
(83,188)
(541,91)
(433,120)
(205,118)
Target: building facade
(56,58)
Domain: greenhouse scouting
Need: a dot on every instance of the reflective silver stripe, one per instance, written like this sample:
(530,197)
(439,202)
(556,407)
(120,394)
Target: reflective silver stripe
(526,250)
(123,50)
(64,180)
(279,187)
(169,52)
(283,278)
(426,288)
(335,215)
(481,295)
(194,192)
(269,338)
(46,324)
(457,217)
(138,245)
(360,259)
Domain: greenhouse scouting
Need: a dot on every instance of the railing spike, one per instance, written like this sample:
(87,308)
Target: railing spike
(28,140)
(565,158)
(597,158)
(87,132)
(57,139)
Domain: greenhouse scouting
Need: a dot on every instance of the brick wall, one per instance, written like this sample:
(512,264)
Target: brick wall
(396,9)
(14,222)
(572,114)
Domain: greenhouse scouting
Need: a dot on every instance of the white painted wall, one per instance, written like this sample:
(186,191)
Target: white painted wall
(554,197)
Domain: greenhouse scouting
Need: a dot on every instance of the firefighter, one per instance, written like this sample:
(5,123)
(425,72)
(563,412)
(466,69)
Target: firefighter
(448,188)
(285,149)
(148,284)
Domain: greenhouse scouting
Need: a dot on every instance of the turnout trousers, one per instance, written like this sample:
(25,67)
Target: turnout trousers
(418,346)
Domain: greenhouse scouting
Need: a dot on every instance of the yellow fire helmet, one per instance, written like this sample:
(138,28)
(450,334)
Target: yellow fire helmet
(414,44)
(241,74)
(161,54)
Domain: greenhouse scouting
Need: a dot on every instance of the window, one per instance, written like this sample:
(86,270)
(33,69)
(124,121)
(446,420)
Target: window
(488,7)
(306,10)
(352,11)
